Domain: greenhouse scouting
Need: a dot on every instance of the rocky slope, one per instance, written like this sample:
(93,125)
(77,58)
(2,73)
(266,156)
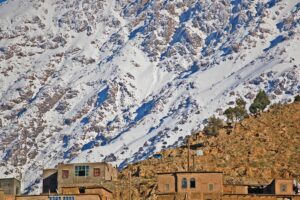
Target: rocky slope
(90,80)
(259,149)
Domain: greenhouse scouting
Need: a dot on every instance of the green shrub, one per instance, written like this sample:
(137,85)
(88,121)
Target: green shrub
(261,101)
(213,126)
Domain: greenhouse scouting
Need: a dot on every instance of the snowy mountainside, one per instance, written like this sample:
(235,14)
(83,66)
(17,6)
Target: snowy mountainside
(89,80)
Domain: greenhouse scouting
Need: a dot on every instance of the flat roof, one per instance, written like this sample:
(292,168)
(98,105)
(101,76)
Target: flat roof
(86,163)
(191,172)
(275,195)
(52,194)
(89,187)
(13,178)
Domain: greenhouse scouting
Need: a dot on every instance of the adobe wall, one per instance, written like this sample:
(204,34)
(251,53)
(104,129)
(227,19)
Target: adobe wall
(70,190)
(288,182)
(45,197)
(257,197)
(165,179)
(10,197)
(10,186)
(1,195)
(235,189)
(202,182)
(88,197)
(37,197)
(107,172)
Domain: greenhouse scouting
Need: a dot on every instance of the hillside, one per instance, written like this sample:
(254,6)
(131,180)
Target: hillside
(260,148)
(117,80)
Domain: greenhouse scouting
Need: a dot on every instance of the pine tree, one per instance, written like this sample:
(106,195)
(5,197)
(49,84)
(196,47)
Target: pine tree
(261,101)
(238,112)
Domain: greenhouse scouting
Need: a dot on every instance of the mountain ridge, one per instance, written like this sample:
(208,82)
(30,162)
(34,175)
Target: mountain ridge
(91,80)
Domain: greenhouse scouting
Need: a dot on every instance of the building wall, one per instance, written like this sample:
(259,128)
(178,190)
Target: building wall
(10,186)
(166,183)
(99,191)
(31,197)
(46,197)
(203,182)
(289,186)
(235,189)
(107,172)
(70,190)
(1,195)
(259,197)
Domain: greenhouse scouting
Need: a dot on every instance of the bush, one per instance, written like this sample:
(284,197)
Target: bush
(261,101)
(213,126)
(297,98)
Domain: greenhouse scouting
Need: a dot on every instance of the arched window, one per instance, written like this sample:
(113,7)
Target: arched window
(193,183)
(184,183)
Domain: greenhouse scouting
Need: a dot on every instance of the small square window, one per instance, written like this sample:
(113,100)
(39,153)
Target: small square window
(65,174)
(210,187)
(167,187)
(96,172)
(283,188)
(193,183)
(184,183)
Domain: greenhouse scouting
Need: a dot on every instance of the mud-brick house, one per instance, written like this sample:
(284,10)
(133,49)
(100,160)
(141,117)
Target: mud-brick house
(81,176)
(9,188)
(280,187)
(79,179)
(209,186)
(190,185)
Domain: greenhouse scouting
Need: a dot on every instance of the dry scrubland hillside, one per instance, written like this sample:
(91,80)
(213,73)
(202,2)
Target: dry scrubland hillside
(258,149)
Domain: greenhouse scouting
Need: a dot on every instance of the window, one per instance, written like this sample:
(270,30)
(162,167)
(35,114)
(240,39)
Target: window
(82,170)
(193,183)
(69,198)
(61,198)
(283,188)
(82,190)
(167,187)
(54,198)
(210,187)
(65,174)
(184,183)
(96,171)
(17,190)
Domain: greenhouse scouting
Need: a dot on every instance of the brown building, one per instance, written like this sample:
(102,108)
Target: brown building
(10,186)
(280,187)
(78,176)
(84,175)
(63,197)
(79,181)
(190,185)
(209,186)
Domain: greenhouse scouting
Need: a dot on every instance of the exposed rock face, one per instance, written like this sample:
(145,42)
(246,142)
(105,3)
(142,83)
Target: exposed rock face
(87,80)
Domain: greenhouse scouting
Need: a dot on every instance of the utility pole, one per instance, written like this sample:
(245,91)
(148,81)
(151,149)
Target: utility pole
(193,162)
(129,185)
(188,141)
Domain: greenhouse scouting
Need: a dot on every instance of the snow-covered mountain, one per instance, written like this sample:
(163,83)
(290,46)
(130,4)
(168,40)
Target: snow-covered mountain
(117,80)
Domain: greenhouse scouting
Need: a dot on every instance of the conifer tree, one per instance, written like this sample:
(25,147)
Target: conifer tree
(261,101)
